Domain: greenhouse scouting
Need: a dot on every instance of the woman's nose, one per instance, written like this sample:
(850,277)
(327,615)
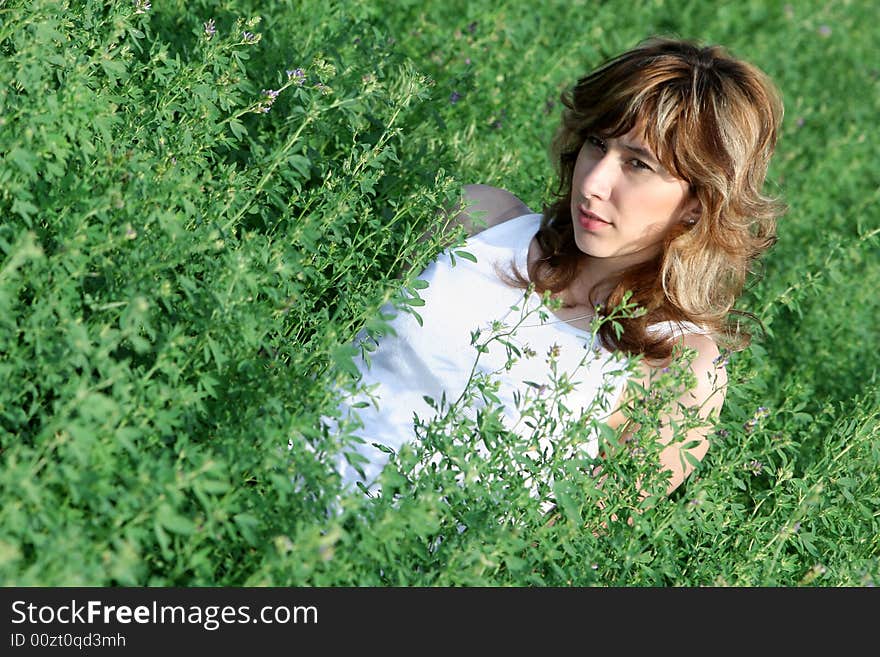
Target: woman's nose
(598,177)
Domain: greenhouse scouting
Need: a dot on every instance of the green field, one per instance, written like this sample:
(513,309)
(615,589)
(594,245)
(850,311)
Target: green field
(181,280)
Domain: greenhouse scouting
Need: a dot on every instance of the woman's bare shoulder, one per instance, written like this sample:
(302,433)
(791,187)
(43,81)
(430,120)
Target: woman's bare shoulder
(484,206)
(479,207)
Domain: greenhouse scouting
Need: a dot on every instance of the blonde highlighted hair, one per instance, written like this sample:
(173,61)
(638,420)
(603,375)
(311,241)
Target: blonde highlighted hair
(712,120)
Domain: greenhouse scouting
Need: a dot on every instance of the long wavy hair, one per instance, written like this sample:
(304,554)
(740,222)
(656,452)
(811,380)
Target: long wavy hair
(712,121)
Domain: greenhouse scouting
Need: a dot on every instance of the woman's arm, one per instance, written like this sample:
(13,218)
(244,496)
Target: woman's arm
(706,397)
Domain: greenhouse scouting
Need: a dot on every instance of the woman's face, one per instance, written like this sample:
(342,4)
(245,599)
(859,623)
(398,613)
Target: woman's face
(623,202)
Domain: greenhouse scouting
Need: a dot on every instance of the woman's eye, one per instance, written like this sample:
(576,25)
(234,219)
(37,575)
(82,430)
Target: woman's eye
(597,142)
(638,164)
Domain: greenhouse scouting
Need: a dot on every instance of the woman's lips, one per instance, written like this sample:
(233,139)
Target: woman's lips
(590,221)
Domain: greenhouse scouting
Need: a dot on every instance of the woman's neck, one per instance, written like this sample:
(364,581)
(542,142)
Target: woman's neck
(601,273)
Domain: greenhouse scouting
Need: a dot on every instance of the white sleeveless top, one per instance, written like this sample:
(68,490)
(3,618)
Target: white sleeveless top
(438,357)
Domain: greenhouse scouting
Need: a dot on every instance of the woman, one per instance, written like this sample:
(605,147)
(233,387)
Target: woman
(662,154)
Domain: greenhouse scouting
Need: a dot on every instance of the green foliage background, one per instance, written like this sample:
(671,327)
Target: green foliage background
(182,273)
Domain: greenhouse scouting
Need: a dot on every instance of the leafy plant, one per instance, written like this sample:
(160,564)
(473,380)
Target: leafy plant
(205,203)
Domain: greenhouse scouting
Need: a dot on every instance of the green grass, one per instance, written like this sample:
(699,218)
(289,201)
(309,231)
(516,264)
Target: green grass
(180,281)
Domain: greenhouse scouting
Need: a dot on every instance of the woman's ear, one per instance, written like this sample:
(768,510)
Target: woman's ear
(692,211)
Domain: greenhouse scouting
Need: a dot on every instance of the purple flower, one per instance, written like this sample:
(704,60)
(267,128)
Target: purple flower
(825,30)
(268,99)
(249,37)
(760,413)
(454,97)
(142,6)
(755,467)
(297,75)
(210,28)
